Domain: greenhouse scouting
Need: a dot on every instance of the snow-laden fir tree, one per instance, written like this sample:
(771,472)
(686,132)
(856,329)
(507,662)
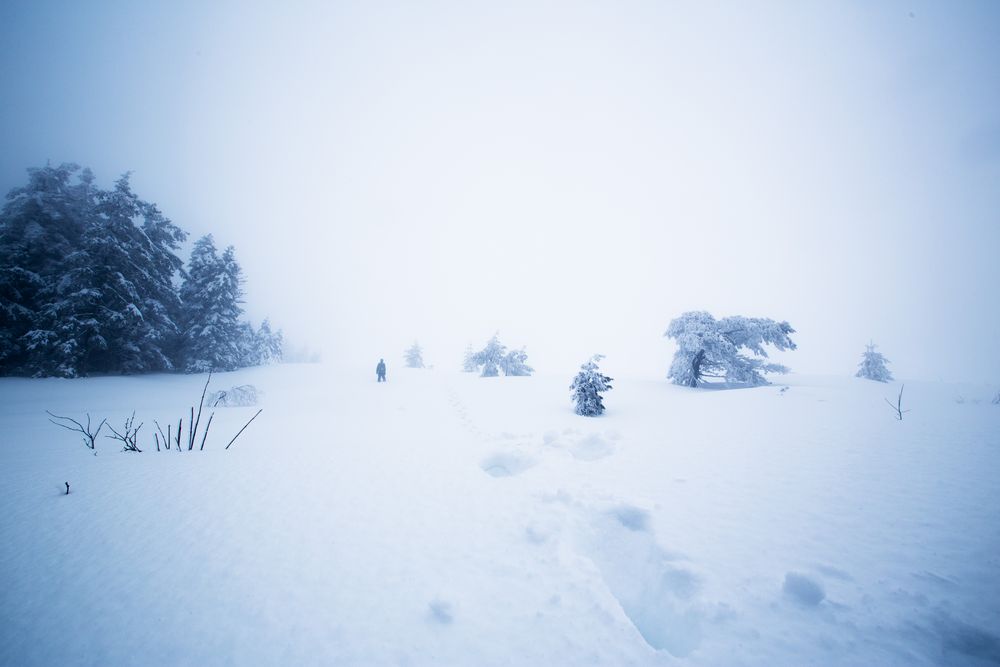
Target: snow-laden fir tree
(214,338)
(491,357)
(41,224)
(710,348)
(261,346)
(414,356)
(269,345)
(469,360)
(873,365)
(587,387)
(87,284)
(113,307)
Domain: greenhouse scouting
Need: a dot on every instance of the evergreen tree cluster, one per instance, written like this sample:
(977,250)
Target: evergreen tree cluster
(495,358)
(87,285)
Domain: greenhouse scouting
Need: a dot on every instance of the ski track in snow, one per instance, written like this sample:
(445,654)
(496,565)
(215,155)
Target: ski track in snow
(438,517)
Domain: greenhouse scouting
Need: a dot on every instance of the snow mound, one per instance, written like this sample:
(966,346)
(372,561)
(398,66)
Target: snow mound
(506,464)
(592,448)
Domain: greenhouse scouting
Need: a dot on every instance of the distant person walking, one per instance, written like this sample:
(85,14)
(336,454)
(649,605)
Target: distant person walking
(380,370)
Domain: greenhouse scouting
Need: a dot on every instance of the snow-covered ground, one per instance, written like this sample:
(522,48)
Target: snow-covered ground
(446,519)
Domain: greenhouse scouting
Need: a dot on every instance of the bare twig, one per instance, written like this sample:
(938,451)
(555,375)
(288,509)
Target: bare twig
(244,428)
(180,423)
(129,436)
(89,435)
(156,436)
(898,408)
(205,434)
(166,438)
(196,421)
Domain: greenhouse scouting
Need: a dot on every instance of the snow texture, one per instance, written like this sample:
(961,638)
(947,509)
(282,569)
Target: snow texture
(441,519)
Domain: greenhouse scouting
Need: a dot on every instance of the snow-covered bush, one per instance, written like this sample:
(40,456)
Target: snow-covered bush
(414,356)
(996,399)
(587,387)
(873,365)
(514,363)
(710,348)
(495,358)
(243,396)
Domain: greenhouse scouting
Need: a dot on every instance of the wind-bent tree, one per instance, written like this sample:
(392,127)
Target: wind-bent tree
(710,348)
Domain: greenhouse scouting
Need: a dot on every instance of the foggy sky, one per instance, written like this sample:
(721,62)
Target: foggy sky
(572,174)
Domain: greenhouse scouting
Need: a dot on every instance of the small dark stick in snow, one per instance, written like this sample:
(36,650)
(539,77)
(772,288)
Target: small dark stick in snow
(67,488)
(244,428)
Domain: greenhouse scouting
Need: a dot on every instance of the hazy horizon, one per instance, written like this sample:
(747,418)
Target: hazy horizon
(571,175)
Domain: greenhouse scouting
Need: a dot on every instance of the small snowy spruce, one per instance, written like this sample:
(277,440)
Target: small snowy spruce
(490,357)
(469,360)
(414,356)
(212,292)
(872,366)
(587,387)
(710,348)
(495,358)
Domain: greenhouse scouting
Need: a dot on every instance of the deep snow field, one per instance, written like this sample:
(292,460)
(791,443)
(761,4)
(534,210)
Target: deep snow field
(442,518)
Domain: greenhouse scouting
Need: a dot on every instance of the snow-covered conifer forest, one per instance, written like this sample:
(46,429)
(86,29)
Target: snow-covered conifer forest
(300,369)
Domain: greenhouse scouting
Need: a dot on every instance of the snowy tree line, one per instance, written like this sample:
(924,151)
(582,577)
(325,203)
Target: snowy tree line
(90,282)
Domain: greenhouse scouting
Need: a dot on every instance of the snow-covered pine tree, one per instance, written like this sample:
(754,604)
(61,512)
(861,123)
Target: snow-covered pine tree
(414,356)
(707,347)
(41,224)
(587,387)
(873,365)
(86,285)
(114,306)
(469,360)
(491,357)
(270,344)
(214,339)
